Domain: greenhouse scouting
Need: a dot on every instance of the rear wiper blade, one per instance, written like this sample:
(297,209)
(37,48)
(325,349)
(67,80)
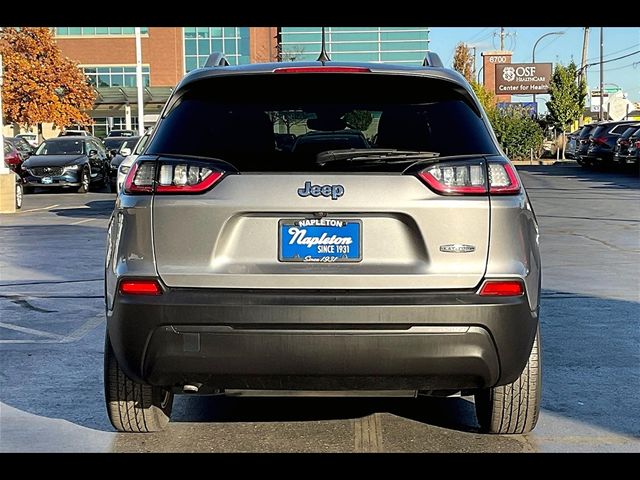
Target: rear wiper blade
(373,155)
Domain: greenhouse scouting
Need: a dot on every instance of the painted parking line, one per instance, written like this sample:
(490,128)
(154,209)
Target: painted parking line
(31,331)
(74,336)
(83,221)
(39,209)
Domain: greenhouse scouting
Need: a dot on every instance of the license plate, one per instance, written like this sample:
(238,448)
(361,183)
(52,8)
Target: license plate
(320,240)
(47,180)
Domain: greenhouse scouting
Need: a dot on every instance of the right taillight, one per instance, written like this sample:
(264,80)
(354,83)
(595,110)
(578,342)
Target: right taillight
(475,177)
(502,179)
(456,178)
(171,176)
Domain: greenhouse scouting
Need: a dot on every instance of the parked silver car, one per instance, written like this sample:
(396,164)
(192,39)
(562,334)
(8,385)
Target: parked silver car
(411,264)
(130,158)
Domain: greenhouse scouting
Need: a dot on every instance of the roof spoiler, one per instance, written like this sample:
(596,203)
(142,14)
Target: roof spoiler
(216,59)
(431,59)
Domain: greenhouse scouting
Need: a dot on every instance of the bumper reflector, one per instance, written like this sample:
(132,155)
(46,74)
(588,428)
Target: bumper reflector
(502,288)
(140,287)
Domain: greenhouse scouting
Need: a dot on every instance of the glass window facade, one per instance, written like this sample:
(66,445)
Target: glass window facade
(357,44)
(103,125)
(115,75)
(200,42)
(93,31)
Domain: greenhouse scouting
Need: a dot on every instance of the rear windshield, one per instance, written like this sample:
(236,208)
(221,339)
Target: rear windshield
(120,143)
(586,130)
(598,131)
(290,122)
(629,131)
(619,129)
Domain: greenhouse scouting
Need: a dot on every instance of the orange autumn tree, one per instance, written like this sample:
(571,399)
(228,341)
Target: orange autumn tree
(40,85)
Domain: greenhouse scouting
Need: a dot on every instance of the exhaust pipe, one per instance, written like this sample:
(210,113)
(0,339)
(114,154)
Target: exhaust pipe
(191,387)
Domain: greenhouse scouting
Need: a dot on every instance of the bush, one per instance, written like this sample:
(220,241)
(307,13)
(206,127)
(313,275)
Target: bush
(517,132)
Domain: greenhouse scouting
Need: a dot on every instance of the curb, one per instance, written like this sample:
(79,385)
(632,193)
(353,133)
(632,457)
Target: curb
(538,162)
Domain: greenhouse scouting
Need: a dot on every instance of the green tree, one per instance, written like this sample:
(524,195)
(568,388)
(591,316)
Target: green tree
(517,132)
(485,96)
(568,94)
(289,118)
(359,119)
(40,85)
(463,61)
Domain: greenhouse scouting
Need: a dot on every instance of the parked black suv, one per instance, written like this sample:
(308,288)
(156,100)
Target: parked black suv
(623,143)
(67,161)
(582,142)
(602,142)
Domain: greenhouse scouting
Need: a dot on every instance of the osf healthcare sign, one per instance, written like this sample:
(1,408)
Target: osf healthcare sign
(529,78)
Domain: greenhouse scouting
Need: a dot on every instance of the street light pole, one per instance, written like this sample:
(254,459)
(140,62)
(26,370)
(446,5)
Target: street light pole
(139,81)
(600,113)
(533,57)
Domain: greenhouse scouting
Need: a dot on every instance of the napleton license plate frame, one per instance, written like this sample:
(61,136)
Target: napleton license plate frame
(323,258)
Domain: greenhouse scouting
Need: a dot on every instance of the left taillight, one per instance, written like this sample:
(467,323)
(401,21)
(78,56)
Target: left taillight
(140,287)
(171,177)
(472,177)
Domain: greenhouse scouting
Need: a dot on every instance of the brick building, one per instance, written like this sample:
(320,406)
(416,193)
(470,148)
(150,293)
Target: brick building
(107,55)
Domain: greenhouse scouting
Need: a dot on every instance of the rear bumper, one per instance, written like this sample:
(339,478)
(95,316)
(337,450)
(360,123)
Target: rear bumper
(598,156)
(322,340)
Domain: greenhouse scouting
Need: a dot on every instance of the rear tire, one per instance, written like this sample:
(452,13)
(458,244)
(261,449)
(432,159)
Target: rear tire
(131,406)
(513,408)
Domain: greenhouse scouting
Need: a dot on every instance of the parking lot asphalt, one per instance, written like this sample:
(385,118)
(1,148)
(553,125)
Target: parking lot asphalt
(52,330)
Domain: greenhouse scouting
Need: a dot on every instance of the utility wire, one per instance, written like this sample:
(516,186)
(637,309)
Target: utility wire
(617,51)
(611,59)
(620,68)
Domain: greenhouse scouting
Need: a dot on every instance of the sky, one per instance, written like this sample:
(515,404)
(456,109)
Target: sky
(555,48)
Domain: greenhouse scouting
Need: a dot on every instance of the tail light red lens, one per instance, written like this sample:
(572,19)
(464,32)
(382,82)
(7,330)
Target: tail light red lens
(140,287)
(638,144)
(140,178)
(461,178)
(471,178)
(171,177)
(502,288)
(503,179)
(12,158)
(599,141)
(185,178)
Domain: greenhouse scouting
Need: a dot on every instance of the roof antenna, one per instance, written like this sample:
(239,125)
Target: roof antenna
(323,57)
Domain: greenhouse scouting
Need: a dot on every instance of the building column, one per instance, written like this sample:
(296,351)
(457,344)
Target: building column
(127,117)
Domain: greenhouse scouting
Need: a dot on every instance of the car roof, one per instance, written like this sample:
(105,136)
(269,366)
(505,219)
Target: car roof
(256,68)
(70,137)
(616,122)
(128,137)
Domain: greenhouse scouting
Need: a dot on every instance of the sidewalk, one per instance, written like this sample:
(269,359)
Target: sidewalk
(544,161)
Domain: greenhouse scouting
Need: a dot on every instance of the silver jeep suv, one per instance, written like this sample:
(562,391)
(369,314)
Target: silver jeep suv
(407,261)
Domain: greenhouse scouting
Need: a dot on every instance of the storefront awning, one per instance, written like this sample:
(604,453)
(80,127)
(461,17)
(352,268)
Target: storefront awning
(111,101)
